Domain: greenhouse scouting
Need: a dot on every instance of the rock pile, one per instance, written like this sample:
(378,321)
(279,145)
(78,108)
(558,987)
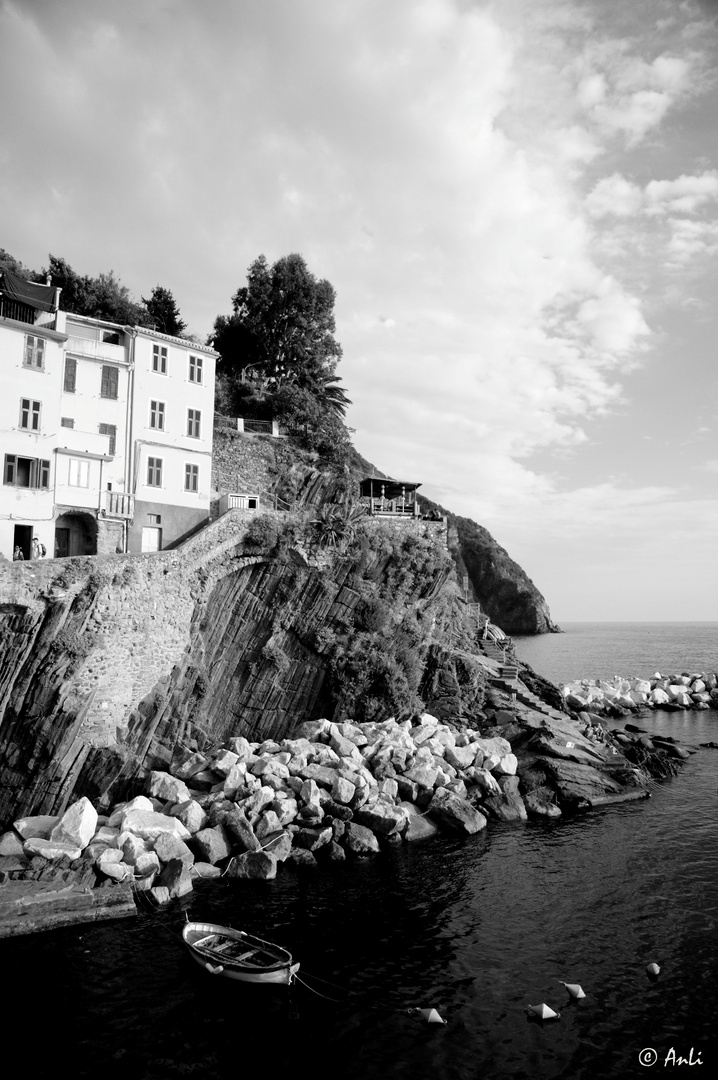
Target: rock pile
(245,808)
(617,695)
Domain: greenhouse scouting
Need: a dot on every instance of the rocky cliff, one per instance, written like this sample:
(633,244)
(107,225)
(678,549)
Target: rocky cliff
(488,575)
(112,665)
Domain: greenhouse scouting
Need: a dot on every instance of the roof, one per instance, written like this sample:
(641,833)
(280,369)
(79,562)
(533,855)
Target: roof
(147,332)
(393,489)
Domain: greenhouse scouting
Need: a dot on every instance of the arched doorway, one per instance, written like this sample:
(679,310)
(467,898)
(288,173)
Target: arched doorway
(75,534)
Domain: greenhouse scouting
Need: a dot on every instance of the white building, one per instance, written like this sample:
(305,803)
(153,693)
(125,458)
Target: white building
(106,430)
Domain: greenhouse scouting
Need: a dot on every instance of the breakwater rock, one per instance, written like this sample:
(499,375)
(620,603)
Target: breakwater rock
(332,791)
(616,696)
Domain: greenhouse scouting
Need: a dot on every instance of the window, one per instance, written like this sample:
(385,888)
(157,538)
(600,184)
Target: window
(67,421)
(195,369)
(159,359)
(111,337)
(191,477)
(154,519)
(78,474)
(26,472)
(154,472)
(193,419)
(70,375)
(157,415)
(111,430)
(110,377)
(29,414)
(34,352)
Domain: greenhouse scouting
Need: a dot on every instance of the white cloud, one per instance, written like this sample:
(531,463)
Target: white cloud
(614,195)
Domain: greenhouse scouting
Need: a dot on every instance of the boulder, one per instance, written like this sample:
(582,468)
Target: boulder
(206,870)
(212,845)
(285,809)
(541,802)
(321,774)
(268,823)
(40,826)
(422,775)
(11,843)
(313,729)
(381,817)
(51,849)
(132,847)
(419,826)
(279,844)
(486,783)
(311,839)
(195,763)
(222,762)
(256,803)
(175,876)
(455,813)
(160,894)
(507,766)
(269,766)
(117,871)
(508,806)
(235,779)
(301,857)
(461,757)
(191,814)
(359,840)
(162,785)
(343,790)
(140,802)
(169,847)
(147,864)
(149,824)
(259,865)
(242,748)
(334,852)
(240,831)
(77,825)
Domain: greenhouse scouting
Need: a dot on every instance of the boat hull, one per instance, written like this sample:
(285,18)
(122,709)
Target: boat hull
(206,942)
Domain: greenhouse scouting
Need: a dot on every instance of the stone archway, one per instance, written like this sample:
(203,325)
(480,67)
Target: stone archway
(75,534)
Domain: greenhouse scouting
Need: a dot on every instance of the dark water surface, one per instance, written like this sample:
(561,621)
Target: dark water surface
(477,928)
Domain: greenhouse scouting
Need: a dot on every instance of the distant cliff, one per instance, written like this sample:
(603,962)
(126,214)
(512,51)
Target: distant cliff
(506,593)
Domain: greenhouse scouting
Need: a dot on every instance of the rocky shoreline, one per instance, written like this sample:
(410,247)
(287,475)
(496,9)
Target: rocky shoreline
(331,792)
(617,696)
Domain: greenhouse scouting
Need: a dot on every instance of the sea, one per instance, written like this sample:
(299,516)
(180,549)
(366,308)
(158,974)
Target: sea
(478,929)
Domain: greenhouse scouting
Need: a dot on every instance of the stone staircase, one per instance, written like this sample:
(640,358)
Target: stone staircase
(508,681)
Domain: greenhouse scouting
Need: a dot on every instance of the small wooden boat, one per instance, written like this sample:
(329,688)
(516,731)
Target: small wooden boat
(238,955)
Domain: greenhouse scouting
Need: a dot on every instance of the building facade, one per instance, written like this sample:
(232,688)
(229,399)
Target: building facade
(106,430)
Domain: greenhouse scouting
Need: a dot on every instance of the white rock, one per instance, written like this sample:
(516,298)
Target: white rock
(507,766)
(222,761)
(77,825)
(140,802)
(51,849)
(192,815)
(132,848)
(658,697)
(343,790)
(40,826)
(167,787)
(149,825)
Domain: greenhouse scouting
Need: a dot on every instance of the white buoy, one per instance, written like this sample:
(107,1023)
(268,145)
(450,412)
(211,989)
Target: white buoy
(542,1012)
(653,969)
(431,1016)
(573,989)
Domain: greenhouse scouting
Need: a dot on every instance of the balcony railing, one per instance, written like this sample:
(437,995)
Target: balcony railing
(13,309)
(119,504)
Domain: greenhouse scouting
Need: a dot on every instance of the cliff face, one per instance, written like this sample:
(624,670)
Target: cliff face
(504,590)
(112,666)
(489,575)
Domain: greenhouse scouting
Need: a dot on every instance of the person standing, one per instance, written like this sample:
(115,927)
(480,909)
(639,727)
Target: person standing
(35,552)
(17,555)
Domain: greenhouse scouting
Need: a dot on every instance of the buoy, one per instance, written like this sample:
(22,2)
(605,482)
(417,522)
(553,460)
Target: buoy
(214,970)
(653,969)
(574,989)
(431,1016)
(542,1012)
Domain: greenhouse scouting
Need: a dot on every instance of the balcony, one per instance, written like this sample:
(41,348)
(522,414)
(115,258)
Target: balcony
(119,504)
(13,309)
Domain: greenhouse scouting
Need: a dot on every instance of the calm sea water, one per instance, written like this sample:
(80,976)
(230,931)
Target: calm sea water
(477,928)
(600,650)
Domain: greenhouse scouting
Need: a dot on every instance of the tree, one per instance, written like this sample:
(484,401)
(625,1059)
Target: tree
(163,312)
(103,297)
(282,324)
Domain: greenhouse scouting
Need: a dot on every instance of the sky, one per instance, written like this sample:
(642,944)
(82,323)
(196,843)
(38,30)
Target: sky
(516,203)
